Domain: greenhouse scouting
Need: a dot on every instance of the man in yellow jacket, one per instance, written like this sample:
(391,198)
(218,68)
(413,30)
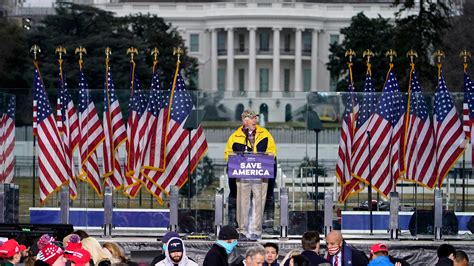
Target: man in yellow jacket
(250,137)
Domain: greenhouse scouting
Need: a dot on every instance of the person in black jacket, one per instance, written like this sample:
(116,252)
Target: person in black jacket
(271,254)
(226,242)
(342,254)
(310,243)
(446,253)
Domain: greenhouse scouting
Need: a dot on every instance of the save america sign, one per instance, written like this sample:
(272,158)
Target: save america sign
(251,165)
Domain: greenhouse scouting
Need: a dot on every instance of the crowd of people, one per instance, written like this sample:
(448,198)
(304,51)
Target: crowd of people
(81,249)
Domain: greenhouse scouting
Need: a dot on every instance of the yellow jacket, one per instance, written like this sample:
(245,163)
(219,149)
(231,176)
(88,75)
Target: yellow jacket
(263,142)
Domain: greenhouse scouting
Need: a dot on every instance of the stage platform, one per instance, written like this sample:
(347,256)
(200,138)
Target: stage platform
(419,250)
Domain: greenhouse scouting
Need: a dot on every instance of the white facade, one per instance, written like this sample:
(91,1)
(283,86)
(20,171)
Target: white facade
(258,52)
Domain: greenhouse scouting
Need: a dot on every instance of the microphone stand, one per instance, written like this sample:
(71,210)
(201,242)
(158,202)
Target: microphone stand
(369,137)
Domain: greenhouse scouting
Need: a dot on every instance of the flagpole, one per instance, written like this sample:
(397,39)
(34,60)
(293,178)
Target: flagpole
(35,49)
(465,55)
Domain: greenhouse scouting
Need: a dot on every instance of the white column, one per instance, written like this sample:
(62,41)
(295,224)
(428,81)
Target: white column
(252,58)
(230,59)
(276,58)
(298,73)
(214,59)
(314,60)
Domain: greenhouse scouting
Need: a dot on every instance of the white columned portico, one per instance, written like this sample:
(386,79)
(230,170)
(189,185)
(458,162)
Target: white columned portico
(213,59)
(314,60)
(252,59)
(230,59)
(298,67)
(276,58)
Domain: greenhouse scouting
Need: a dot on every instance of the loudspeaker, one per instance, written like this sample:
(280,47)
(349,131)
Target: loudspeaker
(303,221)
(28,234)
(425,223)
(195,221)
(9,203)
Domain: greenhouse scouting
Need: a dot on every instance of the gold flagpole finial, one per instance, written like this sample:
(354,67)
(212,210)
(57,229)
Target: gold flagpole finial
(132,51)
(35,49)
(81,51)
(178,52)
(466,55)
(60,50)
(412,54)
(438,54)
(155,52)
(391,54)
(108,52)
(369,54)
(351,54)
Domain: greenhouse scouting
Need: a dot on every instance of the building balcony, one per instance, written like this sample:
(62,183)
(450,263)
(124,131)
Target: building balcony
(288,94)
(265,51)
(239,94)
(287,51)
(241,51)
(264,94)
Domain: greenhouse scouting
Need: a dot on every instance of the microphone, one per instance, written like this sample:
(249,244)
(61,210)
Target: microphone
(246,132)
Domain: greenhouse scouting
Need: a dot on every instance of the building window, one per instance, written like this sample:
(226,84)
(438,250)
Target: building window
(307,79)
(221,43)
(264,112)
(288,116)
(286,42)
(241,79)
(241,42)
(194,42)
(286,79)
(221,79)
(333,38)
(264,79)
(265,41)
(239,109)
(307,42)
(333,83)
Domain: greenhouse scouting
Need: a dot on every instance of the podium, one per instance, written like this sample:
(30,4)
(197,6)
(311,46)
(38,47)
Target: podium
(252,171)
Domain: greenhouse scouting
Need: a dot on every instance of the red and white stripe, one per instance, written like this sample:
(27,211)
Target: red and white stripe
(450,143)
(8,149)
(420,152)
(380,145)
(177,144)
(115,134)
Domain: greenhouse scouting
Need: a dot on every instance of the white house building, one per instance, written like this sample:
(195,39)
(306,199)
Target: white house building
(260,54)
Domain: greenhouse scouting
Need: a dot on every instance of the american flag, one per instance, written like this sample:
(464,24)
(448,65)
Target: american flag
(69,130)
(115,134)
(8,142)
(468,110)
(135,131)
(366,110)
(419,150)
(385,131)
(153,141)
(92,135)
(448,132)
(177,142)
(52,163)
(343,166)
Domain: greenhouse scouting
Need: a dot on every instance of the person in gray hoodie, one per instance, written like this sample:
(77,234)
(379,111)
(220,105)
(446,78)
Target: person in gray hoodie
(176,254)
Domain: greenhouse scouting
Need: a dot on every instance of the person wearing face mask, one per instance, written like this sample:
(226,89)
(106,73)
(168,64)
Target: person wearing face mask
(164,240)
(250,138)
(218,255)
(176,254)
(342,254)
